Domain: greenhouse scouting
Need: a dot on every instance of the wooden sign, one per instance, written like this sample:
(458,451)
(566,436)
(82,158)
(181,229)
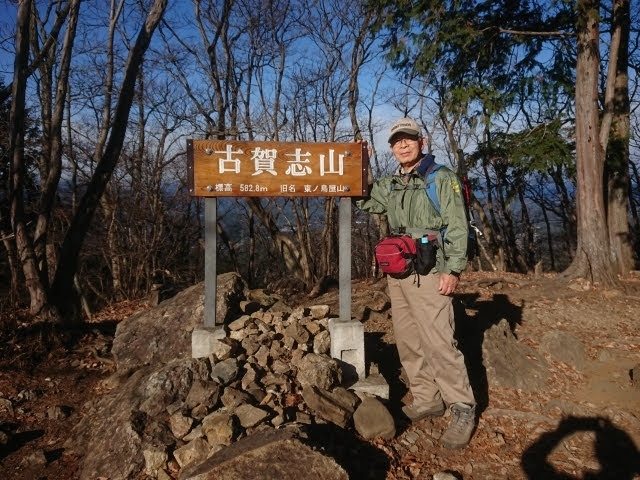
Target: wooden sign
(229,168)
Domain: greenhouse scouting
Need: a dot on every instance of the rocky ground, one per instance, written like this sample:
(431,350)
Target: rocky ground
(584,422)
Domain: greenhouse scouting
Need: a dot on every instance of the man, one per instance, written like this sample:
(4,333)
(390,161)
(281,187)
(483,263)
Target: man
(422,308)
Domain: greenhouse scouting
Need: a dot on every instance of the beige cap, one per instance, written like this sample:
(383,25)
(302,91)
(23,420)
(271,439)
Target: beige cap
(405,125)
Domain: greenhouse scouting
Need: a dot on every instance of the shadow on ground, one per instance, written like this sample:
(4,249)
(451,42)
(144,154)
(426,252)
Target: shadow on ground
(617,454)
(359,458)
(470,330)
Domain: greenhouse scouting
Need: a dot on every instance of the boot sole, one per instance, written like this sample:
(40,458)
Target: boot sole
(454,446)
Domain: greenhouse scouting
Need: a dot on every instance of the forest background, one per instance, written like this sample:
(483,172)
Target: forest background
(98,99)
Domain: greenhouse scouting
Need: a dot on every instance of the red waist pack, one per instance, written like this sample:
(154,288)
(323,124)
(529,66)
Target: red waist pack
(396,255)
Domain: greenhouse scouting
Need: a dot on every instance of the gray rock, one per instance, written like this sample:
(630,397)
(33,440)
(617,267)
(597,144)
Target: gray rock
(250,376)
(240,323)
(262,356)
(180,424)
(109,438)
(163,333)
(280,367)
(274,379)
(250,344)
(564,347)
(155,459)
(250,416)
(166,385)
(224,349)
(281,306)
(197,432)
(218,428)
(148,338)
(511,364)
(298,332)
(163,475)
(232,398)
(322,343)
(372,419)
(319,311)
(276,454)
(231,290)
(249,306)
(194,451)
(320,371)
(336,406)
(203,392)
(6,410)
(225,372)
(444,476)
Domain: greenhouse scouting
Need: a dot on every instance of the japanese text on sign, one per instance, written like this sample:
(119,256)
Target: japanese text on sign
(228,168)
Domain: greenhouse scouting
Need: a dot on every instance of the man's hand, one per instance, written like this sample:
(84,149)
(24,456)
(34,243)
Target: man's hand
(366,144)
(448,284)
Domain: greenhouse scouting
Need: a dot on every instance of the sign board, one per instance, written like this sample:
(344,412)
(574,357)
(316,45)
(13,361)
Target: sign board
(229,168)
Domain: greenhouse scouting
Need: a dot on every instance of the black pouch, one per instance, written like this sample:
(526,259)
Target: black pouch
(426,254)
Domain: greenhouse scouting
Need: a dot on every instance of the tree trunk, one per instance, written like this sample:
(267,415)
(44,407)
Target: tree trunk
(527,230)
(36,285)
(547,224)
(568,211)
(633,207)
(618,147)
(592,260)
(63,282)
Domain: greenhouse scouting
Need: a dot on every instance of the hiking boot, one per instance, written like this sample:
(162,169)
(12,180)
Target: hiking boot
(415,413)
(461,425)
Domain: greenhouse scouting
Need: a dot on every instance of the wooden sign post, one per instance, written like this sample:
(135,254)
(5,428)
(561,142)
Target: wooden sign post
(229,168)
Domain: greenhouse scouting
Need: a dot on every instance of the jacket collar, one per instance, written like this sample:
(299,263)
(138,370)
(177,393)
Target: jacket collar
(426,165)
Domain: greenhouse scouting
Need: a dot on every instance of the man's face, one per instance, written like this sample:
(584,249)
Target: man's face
(407,149)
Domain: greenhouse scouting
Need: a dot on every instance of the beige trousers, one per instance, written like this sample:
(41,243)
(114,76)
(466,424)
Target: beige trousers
(423,324)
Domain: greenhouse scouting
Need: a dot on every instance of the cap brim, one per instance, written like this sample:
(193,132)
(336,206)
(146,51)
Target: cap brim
(409,131)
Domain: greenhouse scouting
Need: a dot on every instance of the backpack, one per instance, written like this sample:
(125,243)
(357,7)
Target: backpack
(430,177)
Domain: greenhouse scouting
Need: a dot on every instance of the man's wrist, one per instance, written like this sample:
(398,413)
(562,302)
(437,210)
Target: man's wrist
(454,273)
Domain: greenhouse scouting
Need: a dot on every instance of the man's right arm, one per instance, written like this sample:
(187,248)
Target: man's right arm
(376,201)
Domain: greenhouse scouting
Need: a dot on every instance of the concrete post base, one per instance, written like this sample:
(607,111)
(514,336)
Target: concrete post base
(203,339)
(347,346)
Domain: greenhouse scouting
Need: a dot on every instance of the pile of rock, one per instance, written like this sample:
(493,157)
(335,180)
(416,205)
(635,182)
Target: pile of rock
(271,371)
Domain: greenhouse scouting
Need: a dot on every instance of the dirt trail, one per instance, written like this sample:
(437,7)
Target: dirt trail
(585,424)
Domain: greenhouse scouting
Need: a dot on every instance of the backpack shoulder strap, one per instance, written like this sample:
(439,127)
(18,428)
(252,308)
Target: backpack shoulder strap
(429,180)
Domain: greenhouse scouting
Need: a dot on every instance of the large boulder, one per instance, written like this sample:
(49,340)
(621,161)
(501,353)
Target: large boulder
(119,425)
(268,455)
(163,333)
(511,364)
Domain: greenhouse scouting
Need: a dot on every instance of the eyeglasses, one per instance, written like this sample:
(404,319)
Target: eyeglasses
(401,142)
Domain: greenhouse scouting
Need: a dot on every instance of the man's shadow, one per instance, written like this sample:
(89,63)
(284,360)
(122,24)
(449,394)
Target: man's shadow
(385,356)
(618,456)
(469,334)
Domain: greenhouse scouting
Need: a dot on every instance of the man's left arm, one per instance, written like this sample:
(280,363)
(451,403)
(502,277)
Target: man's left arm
(454,218)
